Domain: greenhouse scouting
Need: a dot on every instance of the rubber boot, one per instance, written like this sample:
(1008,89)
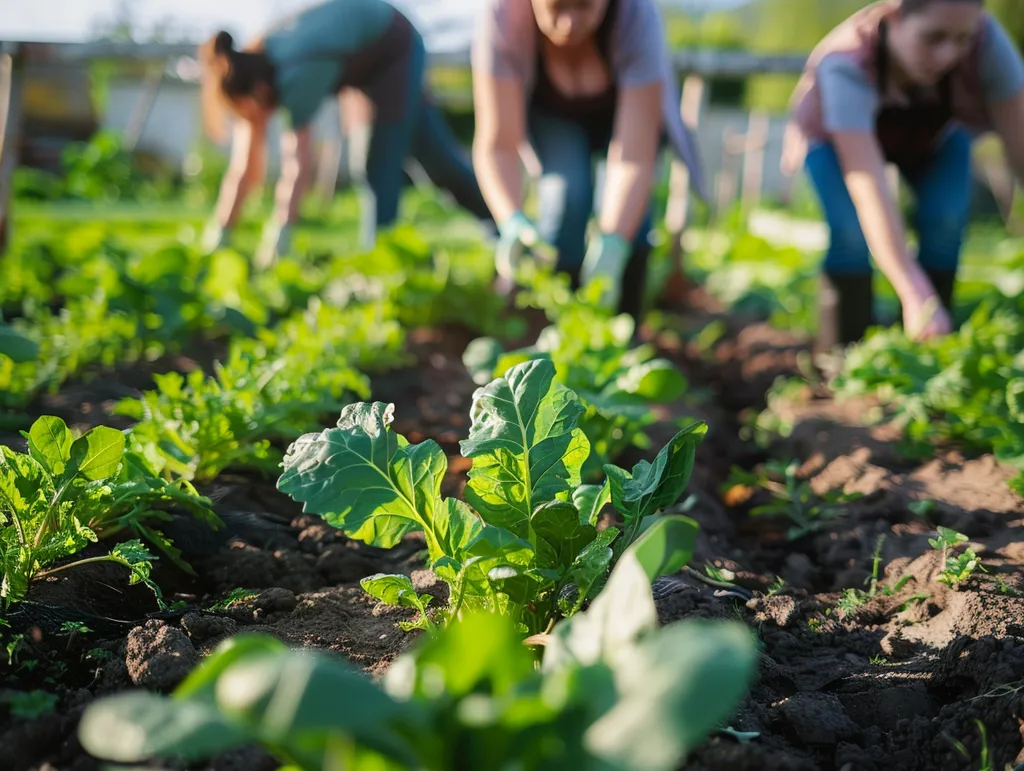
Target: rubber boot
(845,310)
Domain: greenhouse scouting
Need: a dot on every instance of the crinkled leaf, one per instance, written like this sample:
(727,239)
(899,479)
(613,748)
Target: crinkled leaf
(525,445)
(588,570)
(49,442)
(136,726)
(137,558)
(391,589)
(96,455)
(590,499)
(557,525)
(364,479)
(674,687)
(654,486)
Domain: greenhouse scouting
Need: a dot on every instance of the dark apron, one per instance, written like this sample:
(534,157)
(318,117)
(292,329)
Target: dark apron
(908,133)
(594,112)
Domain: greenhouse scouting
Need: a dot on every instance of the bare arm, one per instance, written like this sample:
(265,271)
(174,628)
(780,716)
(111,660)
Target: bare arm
(864,173)
(245,170)
(631,160)
(296,172)
(1008,119)
(500,131)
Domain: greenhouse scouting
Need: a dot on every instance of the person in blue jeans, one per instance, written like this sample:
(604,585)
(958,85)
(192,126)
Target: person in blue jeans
(911,83)
(339,47)
(576,80)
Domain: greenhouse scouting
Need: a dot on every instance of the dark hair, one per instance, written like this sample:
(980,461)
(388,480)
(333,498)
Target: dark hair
(915,6)
(247,70)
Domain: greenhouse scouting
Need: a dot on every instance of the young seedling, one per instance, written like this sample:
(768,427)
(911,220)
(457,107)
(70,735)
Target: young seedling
(853,598)
(956,568)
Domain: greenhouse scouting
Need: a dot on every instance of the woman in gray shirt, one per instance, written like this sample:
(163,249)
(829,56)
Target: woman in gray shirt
(576,78)
(907,82)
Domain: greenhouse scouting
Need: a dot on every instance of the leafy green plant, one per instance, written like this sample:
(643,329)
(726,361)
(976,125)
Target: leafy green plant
(29,705)
(957,568)
(594,356)
(793,497)
(529,546)
(66,493)
(615,691)
(852,597)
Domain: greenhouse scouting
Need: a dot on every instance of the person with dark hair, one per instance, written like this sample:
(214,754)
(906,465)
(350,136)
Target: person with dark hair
(577,78)
(370,55)
(911,83)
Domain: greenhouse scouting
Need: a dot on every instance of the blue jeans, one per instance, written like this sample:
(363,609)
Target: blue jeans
(424,135)
(566,151)
(942,190)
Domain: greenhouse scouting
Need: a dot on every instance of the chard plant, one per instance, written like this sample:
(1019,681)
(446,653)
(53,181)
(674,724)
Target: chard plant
(593,356)
(614,692)
(525,542)
(66,493)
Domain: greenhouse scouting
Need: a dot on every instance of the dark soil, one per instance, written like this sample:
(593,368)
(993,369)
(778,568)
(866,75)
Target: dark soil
(887,683)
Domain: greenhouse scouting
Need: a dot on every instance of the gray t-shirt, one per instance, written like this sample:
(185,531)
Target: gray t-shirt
(850,101)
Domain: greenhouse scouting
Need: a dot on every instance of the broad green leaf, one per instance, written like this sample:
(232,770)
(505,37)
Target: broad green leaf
(657,380)
(201,681)
(495,546)
(295,695)
(590,499)
(608,629)
(675,687)
(525,445)
(96,455)
(366,480)
(558,525)
(588,570)
(49,442)
(136,726)
(455,528)
(655,486)
(667,546)
(481,357)
(16,346)
(392,589)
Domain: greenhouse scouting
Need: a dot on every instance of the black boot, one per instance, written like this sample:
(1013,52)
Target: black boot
(845,310)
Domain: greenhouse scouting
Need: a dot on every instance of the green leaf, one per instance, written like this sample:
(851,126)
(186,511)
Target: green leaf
(481,357)
(366,480)
(201,682)
(654,381)
(655,486)
(49,442)
(136,726)
(588,570)
(525,445)
(590,499)
(667,546)
(16,346)
(1015,399)
(557,524)
(96,455)
(394,590)
(456,528)
(675,687)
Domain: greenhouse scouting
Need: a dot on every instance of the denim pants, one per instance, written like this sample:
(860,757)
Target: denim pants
(423,134)
(942,192)
(566,151)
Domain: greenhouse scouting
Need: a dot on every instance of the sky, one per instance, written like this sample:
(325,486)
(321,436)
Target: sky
(445,23)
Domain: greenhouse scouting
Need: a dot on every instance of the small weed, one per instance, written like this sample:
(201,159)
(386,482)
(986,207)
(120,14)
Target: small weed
(922,508)
(776,587)
(816,625)
(986,760)
(235,598)
(879,661)
(853,598)
(956,569)
(29,704)
(74,628)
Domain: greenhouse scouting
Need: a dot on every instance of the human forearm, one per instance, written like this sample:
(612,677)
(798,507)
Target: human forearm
(499,175)
(627,196)
(234,189)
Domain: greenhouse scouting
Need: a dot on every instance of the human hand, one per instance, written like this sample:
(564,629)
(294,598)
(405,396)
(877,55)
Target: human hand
(214,236)
(515,235)
(275,241)
(607,256)
(924,317)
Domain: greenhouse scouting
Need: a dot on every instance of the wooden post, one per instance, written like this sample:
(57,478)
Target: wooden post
(753,159)
(691,107)
(10,132)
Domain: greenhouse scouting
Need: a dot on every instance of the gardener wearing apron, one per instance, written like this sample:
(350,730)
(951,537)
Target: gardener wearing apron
(576,78)
(912,83)
(370,55)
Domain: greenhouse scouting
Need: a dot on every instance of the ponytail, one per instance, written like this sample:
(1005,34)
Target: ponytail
(228,74)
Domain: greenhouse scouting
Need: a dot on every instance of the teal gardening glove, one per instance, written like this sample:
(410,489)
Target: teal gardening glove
(214,237)
(275,241)
(515,235)
(606,258)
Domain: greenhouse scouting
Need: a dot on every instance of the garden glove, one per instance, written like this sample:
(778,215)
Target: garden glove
(276,240)
(514,235)
(606,258)
(214,237)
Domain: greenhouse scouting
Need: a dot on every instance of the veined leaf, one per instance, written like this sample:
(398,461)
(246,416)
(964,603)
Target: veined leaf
(558,528)
(525,445)
(654,486)
(365,479)
(49,442)
(394,590)
(96,455)
(590,499)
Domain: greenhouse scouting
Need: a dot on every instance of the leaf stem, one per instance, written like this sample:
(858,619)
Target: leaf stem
(79,563)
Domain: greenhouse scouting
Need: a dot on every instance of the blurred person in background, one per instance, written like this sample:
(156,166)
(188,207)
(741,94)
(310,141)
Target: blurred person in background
(575,79)
(911,83)
(369,55)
